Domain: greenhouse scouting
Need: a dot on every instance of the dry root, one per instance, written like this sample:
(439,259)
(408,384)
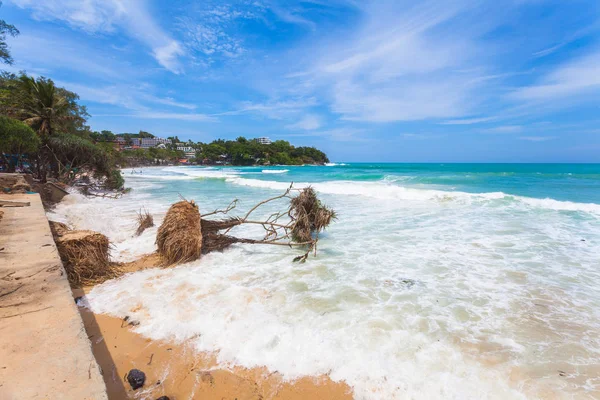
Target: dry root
(310,216)
(86,257)
(179,238)
(145,221)
(58,229)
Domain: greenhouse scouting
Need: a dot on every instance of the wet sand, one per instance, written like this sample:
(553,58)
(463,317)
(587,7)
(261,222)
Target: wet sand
(179,372)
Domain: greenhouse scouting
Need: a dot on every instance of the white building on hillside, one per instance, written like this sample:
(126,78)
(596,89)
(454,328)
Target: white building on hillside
(146,143)
(188,151)
(263,140)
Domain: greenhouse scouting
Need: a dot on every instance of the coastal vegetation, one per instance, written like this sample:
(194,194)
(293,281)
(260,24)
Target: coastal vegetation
(43,130)
(45,126)
(244,151)
(59,147)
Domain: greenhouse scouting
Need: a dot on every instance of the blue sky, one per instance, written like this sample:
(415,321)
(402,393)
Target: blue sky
(414,81)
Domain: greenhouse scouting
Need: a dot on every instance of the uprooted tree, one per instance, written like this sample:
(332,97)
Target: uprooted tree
(185,234)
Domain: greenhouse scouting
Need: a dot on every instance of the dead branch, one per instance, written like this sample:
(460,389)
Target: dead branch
(230,207)
(307,217)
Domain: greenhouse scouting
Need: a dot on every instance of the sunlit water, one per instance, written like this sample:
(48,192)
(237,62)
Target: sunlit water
(436,281)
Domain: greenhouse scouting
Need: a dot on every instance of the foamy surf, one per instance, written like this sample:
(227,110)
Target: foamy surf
(416,293)
(383,190)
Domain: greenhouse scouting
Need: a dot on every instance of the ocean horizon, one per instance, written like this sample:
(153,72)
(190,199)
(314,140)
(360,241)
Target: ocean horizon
(437,280)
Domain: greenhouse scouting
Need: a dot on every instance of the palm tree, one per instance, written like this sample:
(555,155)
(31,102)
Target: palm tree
(42,106)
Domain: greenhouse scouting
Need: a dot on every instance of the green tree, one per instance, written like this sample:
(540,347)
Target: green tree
(45,108)
(16,138)
(6,29)
(145,135)
(73,152)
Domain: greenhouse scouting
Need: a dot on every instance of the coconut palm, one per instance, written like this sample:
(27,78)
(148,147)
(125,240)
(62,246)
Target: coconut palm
(43,107)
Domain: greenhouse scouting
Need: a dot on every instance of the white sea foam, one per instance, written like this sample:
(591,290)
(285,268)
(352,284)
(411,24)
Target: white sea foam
(275,171)
(381,190)
(415,293)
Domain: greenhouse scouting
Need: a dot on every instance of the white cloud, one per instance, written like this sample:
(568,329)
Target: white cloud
(574,78)
(30,48)
(105,16)
(112,95)
(342,134)
(167,56)
(403,64)
(126,96)
(400,101)
(308,123)
(88,15)
(505,129)
(420,136)
(468,121)
(537,138)
(276,109)
(168,101)
(175,116)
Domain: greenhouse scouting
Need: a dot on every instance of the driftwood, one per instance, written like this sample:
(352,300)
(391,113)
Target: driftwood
(299,225)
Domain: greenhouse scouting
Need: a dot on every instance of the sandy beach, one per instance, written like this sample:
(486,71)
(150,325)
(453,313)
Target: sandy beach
(180,372)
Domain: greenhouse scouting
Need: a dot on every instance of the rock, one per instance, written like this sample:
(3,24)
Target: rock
(163,398)
(136,378)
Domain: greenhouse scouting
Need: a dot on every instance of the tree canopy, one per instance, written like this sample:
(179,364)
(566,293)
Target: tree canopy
(17,137)
(244,151)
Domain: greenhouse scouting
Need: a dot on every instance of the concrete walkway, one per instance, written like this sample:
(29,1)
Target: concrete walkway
(44,349)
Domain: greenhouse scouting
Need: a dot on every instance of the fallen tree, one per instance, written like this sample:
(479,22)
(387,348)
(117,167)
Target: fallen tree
(185,234)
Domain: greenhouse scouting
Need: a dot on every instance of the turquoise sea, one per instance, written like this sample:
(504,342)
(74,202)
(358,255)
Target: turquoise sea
(438,281)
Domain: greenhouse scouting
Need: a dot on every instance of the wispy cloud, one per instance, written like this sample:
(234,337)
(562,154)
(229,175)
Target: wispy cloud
(469,121)
(403,64)
(60,53)
(113,95)
(211,30)
(275,109)
(537,138)
(341,134)
(175,116)
(577,77)
(307,123)
(129,97)
(105,16)
(422,136)
(505,129)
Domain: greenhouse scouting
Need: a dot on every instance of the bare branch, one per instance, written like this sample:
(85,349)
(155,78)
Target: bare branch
(230,207)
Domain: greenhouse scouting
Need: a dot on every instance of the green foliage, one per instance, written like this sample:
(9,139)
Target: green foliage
(74,152)
(115,180)
(145,135)
(249,152)
(17,138)
(103,136)
(6,29)
(40,104)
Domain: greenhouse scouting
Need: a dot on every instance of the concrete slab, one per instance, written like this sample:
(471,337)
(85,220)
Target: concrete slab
(44,349)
